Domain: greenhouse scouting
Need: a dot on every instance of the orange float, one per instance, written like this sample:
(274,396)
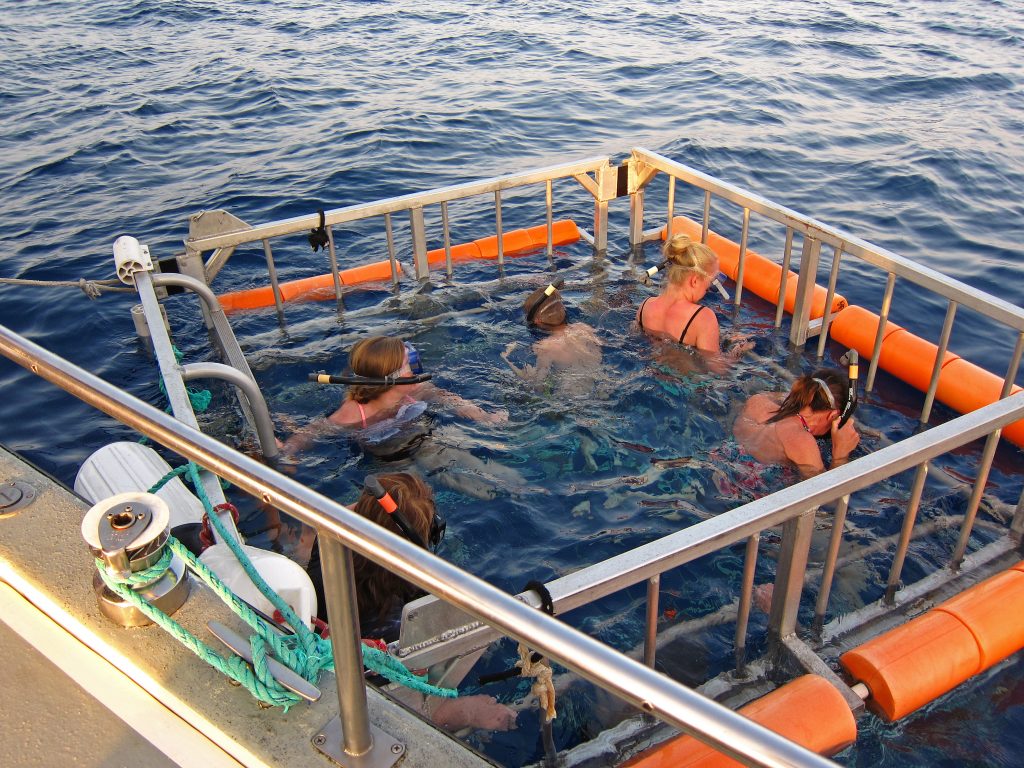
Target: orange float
(254,298)
(916,663)
(514,242)
(808,710)
(761,276)
(963,386)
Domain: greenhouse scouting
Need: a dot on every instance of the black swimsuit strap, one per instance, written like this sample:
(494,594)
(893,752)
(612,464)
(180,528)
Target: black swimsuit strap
(688,322)
(640,314)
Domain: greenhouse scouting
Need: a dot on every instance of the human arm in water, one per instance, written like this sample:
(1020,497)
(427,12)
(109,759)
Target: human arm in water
(460,405)
(802,449)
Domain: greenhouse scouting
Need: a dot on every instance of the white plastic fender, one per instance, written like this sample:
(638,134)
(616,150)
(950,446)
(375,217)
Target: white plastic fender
(285,576)
(122,467)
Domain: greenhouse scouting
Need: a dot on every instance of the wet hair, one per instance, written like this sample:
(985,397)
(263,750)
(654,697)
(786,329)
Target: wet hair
(376,356)
(553,311)
(376,586)
(810,390)
(685,258)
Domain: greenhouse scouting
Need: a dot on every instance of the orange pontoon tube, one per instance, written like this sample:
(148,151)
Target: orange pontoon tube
(514,242)
(919,661)
(254,298)
(808,710)
(963,386)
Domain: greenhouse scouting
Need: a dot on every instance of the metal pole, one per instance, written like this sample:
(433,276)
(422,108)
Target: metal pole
(916,489)
(940,353)
(883,319)
(651,628)
(333,256)
(787,257)
(743,612)
(829,568)
(343,616)
(272,271)
(830,295)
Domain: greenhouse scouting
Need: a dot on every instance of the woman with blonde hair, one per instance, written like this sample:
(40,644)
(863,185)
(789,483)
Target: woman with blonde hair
(676,314)
(775,429)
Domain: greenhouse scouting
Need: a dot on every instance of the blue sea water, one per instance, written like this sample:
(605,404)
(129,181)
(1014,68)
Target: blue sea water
(900,122)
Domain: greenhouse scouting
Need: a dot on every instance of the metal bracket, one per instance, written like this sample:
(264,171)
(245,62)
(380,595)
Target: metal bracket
(14,497)
(385,752)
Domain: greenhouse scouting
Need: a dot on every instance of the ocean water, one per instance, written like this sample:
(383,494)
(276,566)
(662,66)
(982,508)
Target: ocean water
(902,123)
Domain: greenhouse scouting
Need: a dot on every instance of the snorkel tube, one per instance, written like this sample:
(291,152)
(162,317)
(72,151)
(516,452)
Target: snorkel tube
(852,360)
(651,272)
(553,286)
(370,381)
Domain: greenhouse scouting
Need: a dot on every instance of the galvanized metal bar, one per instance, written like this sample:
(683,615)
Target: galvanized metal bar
(390,236)
(419,243)
(980,481)
(447,240)
(929,279)
(940,353)
(805,285)
(343,616)
(826,320)
(670,212)
(636,205)
(896,570)
(987,455)
(744,236)
(250,389)
(743,612)
(724,730)
(706,221)
(787,257)
(497,222)
(332,255)
(549,218)
(397,204)
(789,575)
(651,626)
(272,271)
(883,319)
(829,567)
(171,371)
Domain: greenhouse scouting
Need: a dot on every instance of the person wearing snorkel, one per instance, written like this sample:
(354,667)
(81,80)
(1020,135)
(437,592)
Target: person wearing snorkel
(774,429)
(675,314)
(387,384)
(403,503)
(570,350)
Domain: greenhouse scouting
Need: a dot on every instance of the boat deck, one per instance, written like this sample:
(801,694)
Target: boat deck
(67,667)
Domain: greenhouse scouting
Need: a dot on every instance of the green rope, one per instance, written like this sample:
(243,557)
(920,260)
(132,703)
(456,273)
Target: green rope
(305,652)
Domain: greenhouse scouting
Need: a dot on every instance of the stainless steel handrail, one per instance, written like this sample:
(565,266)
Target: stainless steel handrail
(723,729)
(396,204)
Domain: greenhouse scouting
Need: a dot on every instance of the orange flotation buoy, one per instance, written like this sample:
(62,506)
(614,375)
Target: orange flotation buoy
(963,386)
(808,710)
(916,663)
(254,298)
(513,243)
(761,275)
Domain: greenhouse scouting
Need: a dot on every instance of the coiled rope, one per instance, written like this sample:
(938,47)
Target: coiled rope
(305,652)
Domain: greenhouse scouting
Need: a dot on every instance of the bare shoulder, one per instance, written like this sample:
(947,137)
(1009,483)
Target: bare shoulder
(347,415)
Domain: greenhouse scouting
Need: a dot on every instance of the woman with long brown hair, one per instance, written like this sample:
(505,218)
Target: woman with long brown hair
(403,504)
(774,428)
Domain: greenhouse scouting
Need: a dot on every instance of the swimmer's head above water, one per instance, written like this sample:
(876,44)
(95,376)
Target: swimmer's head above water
(683,258)
(544,307)
(379,363)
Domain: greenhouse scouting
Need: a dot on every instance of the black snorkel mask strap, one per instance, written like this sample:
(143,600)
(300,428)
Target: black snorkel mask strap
(388,504)
(553,286)
(370,381)
(852,360)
